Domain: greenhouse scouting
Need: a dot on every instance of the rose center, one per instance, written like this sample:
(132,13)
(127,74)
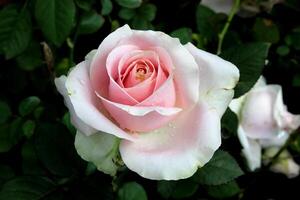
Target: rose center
(137,72)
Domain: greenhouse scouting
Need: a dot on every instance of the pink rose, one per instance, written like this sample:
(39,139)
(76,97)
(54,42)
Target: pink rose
(162,99)
(264,121)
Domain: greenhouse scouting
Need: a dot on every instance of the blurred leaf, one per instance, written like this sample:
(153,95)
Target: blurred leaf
(6,173)
(10,134)
(28,105)
(293,39)
(15,31)
(132,191)
(67,122)
(55,149)
(250,59)
(127,13)
(107,7)
(100,149)
(283,50)
(266,31)
(5,112)
(139,23)
(27,188)
(129,3)
(221,169)
(184,34)
(30,163)
(55,18)
(223,191)
(296,81)
(147,11)
(31,58)
(28,128)
(38,112)
(177,189)
(229,122)
(90,22)
(85,4)
(204,20)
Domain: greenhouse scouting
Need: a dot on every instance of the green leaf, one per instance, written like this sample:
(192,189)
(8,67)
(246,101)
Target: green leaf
(28,128)
(67,122)
(26,188)
(55,18)
(184,34)
(31,165)
(107,7)
(15,31)
(6,173)
(229,123)
(221,169)
(31,58)
(28,105)
(147,11)
(126,13)
(10,134)
(139,23)
(266,31)
(283,50)
(85,4)
(100,149)
(177,189)
(90,22)
(5,112)
(129,3)
(250,59)
(132,191)
(223,191)
(293,39)
(204,20)
(54,147)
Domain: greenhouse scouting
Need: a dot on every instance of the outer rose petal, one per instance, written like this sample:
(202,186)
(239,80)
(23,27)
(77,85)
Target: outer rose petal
(217,77)
(251,150)
(219,6)
(86,105)
(140,118)
(77,122)
(176,150)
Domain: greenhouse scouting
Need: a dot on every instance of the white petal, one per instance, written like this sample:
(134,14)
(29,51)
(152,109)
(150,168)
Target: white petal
(219,6)
(86,104)
(251,150)
(100,148)
(176,150)
(217,77)
(76,121)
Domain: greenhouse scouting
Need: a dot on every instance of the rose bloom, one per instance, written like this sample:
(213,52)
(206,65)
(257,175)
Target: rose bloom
(162,99)
(264,122)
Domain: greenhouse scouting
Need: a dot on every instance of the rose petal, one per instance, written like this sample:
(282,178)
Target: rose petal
(99,62)
(60,84)
(258,111)
(176,150)
(217,77)
(115,91)
(251,150)
(219,6)
(86,105)
(186,71)
(285,120)
(137,118)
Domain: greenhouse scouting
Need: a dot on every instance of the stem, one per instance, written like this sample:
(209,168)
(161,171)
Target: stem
(227,24)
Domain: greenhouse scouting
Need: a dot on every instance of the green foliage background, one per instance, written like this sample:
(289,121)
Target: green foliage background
(42,39)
